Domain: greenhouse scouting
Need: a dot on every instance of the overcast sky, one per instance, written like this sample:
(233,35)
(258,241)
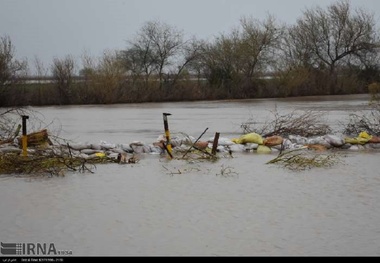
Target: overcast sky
(55,28)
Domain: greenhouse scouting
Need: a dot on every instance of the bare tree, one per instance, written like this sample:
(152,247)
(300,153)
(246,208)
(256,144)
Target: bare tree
(139,60)
(41,70)
(235,60)
(10,68)
(153,48)
(108,77)
(63,72)
(325,38)
(259,40)
(189,57)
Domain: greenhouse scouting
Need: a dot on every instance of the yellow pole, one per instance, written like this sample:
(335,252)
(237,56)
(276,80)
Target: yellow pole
(24,136)
(168,145)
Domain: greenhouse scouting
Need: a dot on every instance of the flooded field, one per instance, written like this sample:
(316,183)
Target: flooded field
(235,206)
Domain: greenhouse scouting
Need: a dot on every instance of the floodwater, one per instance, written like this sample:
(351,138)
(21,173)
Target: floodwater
(233,207)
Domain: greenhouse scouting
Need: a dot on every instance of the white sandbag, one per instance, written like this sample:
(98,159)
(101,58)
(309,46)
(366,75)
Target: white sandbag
(222,141)
(117,150)
(222,149)
(175,142)
(334,140)
(156,150)
(188,140)
(287,144)
(96,147)
(79,147)
(236,148)
(319,141)
(251,146)
(83,155)
(374,145)
(298,139)
(141,149)
(88,151)
(357,147)
(274,150)
(346,146)
(371,146)
(126,147)
(113,155)
(107,146)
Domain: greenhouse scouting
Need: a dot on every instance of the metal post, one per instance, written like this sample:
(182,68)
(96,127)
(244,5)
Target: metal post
(24,136)
(168,145)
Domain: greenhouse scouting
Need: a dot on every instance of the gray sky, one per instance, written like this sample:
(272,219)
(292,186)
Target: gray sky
(55,28)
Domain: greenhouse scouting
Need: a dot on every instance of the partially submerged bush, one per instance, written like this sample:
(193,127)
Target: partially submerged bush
(51,161)
(368,122)
(304,159)
(304,123)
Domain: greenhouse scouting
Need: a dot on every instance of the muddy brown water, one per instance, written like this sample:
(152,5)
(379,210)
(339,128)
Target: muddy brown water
(235,206)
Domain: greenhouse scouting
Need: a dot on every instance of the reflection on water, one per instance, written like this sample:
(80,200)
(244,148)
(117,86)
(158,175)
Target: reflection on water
(162,207)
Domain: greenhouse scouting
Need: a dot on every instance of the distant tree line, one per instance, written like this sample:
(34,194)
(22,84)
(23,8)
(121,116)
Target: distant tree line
(335,50)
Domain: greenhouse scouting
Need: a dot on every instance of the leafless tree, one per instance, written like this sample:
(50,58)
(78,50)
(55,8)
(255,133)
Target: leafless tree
(188,59)
(41,70)
(10,67)
(153,48)
(239,57)
(108,77)
(259,41)
(324,38)
(63,72)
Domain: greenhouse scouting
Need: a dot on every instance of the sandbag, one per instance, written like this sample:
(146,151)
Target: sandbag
(141,149)
(263,149)
(106,145)
(222,141)
(356,140)
(249,138)
(201,145)
(79,147)
(374,139)
(251,146)
(236,148)
(273,141)
(334,140)
(365,135)
(88,151)
(317,147)
(95,147)
(298,139)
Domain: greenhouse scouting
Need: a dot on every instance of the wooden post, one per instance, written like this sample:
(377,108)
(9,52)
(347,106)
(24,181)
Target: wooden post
(24,136)
(215,143)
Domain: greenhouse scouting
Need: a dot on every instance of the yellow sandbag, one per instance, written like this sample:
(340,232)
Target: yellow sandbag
(356,140)
(365,135)
(263,149)
(101,155)
(363,138)
(249,138)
